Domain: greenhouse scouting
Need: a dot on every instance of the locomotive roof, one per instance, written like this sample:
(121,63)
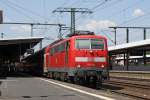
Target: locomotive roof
(81,33)
(98,36)
(75,36)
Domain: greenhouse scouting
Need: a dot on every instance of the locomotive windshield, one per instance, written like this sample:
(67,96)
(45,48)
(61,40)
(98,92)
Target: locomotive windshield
(90,44)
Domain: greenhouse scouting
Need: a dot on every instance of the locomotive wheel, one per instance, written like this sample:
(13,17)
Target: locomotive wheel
(65,76)
(98,82)
(55,75)
(98,85)
(59,76)
(86,80)
(81,81)
(62,77)
(70,79)
(76,79)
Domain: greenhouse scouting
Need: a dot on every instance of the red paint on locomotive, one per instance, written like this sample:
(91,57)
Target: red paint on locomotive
(77,53)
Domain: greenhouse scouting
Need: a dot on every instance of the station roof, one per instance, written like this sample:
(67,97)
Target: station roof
(143,44)
(17,46)
(10,41)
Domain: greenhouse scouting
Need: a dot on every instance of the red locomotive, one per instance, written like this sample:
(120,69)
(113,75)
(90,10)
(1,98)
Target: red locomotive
(80,58)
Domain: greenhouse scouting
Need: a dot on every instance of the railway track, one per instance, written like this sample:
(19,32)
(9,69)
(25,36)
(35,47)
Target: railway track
(134,90)
(136,97)
(130,84)
(130,79)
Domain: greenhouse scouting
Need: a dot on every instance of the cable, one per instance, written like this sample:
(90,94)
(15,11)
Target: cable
(63,4)
(44,11)
(18,10)
(108,37)
(133,19)
(27,10)
(130,6)
(100,4)
(74,3)
(44,16)
(110,5)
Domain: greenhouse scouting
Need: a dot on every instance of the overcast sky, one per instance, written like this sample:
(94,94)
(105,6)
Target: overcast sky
(106,13)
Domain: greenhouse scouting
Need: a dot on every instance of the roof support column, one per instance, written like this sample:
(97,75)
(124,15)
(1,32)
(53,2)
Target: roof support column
(115,36)
(31,30)
(127,35)
(110,61)
(40,44)
(144,57)
(127,60)
(144,33)
(124,58)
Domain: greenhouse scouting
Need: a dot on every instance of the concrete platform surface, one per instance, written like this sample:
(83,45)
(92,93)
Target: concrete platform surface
(34,88)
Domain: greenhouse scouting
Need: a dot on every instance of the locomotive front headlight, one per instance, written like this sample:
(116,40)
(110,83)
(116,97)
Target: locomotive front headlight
(78,66)
(102,66)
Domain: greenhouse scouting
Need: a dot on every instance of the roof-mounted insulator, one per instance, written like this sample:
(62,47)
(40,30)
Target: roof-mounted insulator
(81,33)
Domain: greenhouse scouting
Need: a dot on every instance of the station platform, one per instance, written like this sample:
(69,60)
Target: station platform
(131,74)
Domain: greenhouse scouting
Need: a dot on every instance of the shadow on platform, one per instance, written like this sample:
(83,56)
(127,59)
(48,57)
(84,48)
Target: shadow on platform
(16,75)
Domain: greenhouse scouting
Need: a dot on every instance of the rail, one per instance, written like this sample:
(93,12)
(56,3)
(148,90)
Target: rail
(131,74)
(133,88)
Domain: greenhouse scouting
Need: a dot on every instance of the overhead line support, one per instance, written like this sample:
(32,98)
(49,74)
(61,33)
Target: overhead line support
(72,11)
(32,24)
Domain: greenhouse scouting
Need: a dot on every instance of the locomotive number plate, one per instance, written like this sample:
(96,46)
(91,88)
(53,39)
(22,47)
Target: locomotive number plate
(91,59)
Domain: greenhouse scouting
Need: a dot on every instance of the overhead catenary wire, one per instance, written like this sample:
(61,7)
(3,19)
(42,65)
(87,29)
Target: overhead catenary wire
(57,18)
(108,37)
(94,9)
(64,3)
(25,9)
(133,19)
(138,2)
(74,3)
(18,11)
(107,6)
(100,4)
(125,9)
(43,31)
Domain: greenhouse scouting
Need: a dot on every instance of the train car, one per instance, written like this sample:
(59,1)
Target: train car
(80,58)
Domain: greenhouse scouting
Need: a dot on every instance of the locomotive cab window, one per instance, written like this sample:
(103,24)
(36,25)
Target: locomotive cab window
(83,44)
(90,44)
(97,44)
